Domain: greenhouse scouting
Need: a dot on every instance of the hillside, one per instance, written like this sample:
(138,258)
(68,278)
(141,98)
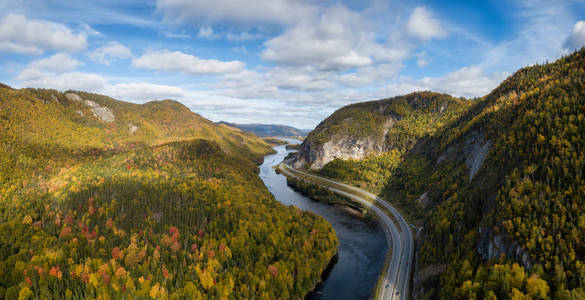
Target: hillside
(497,190)
(105,199)
(269,130)
(371,128)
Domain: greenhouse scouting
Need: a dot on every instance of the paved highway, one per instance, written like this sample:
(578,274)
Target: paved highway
(400,239)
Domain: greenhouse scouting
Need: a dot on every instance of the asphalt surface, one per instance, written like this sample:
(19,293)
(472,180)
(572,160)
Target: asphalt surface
(399,235)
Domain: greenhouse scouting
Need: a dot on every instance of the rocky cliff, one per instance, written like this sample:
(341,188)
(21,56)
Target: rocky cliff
(371,128)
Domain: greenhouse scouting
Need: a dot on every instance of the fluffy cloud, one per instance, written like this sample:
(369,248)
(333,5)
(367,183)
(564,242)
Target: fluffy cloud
(177,61)
(59,62)
(576,39)
(422,25)
(468,82)
(248,12)
(32,77)
(305,78)
(138,91)
(21,35)
(112,50)
(378,74)
(332,42)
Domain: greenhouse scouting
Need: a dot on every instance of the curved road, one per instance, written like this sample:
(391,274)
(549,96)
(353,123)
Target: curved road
(398,234)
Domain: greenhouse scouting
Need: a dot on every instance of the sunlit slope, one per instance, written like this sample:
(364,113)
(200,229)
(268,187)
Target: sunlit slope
(48,117)
(106,199)
(497,189)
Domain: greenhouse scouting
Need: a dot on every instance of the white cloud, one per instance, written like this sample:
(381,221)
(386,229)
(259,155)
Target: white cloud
(32,77)
(8,46)
(177,61)
(576,39)
(112,50)
(468,81)
(21,35)
(334,41)
(59,62)
(422,25)
(207,33)
(248,12)
(365,76)
(305,78)
(138,91)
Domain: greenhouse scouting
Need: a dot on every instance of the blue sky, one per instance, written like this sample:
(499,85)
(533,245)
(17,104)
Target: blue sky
(280,61)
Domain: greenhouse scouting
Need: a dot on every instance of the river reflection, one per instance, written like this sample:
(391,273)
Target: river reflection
(362,246)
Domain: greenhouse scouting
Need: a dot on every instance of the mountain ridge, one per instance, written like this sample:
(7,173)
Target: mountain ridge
(101,199)
(269,130)
(499,185)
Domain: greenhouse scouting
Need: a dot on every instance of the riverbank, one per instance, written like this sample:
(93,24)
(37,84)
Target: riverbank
(362,245)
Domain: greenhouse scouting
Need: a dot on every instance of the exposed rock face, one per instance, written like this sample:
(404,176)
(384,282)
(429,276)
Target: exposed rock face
(74,97)
(474,150)
(343,147)
(315,156)
(478,149)
(132,128)
(102,113)
(492,247)
(425,200)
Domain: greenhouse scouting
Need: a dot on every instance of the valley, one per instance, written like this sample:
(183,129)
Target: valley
(292,149)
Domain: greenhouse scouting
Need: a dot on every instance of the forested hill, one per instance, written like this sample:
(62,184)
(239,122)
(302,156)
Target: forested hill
(364,129)
(269,130)
(105,199)
(498,190)
(78,120)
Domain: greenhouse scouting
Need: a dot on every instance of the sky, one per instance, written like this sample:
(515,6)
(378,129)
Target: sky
(290,62)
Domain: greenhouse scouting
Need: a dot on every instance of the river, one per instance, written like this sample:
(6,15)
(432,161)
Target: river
(362,245)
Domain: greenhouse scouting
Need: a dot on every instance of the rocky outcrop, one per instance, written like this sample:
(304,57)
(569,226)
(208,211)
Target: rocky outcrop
(492,246)
(314,156)
(473,150)
(74,98)
(132,128)
(102,113)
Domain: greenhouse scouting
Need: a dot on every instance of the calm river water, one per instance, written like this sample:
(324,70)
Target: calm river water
(362,246)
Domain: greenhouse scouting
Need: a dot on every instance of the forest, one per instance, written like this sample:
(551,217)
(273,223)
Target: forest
(173,210)
(514,227)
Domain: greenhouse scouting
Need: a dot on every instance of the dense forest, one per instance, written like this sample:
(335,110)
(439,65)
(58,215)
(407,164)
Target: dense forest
(103,199)
(497,189)
(397,123)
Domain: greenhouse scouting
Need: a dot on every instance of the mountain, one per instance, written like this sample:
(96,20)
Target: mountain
(266,130)
(364,129)
(495,187)
(101,198)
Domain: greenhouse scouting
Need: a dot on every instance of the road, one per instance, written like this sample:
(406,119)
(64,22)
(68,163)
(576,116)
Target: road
(400,239)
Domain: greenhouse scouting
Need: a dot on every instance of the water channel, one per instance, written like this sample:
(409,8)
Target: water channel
(362,243)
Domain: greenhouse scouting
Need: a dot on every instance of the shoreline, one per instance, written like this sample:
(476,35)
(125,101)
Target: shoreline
(324,275)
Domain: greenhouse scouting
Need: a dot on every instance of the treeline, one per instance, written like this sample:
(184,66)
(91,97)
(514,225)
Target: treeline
(317,192)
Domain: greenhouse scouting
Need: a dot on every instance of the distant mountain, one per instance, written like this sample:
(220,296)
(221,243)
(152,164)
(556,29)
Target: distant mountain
(269,129)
